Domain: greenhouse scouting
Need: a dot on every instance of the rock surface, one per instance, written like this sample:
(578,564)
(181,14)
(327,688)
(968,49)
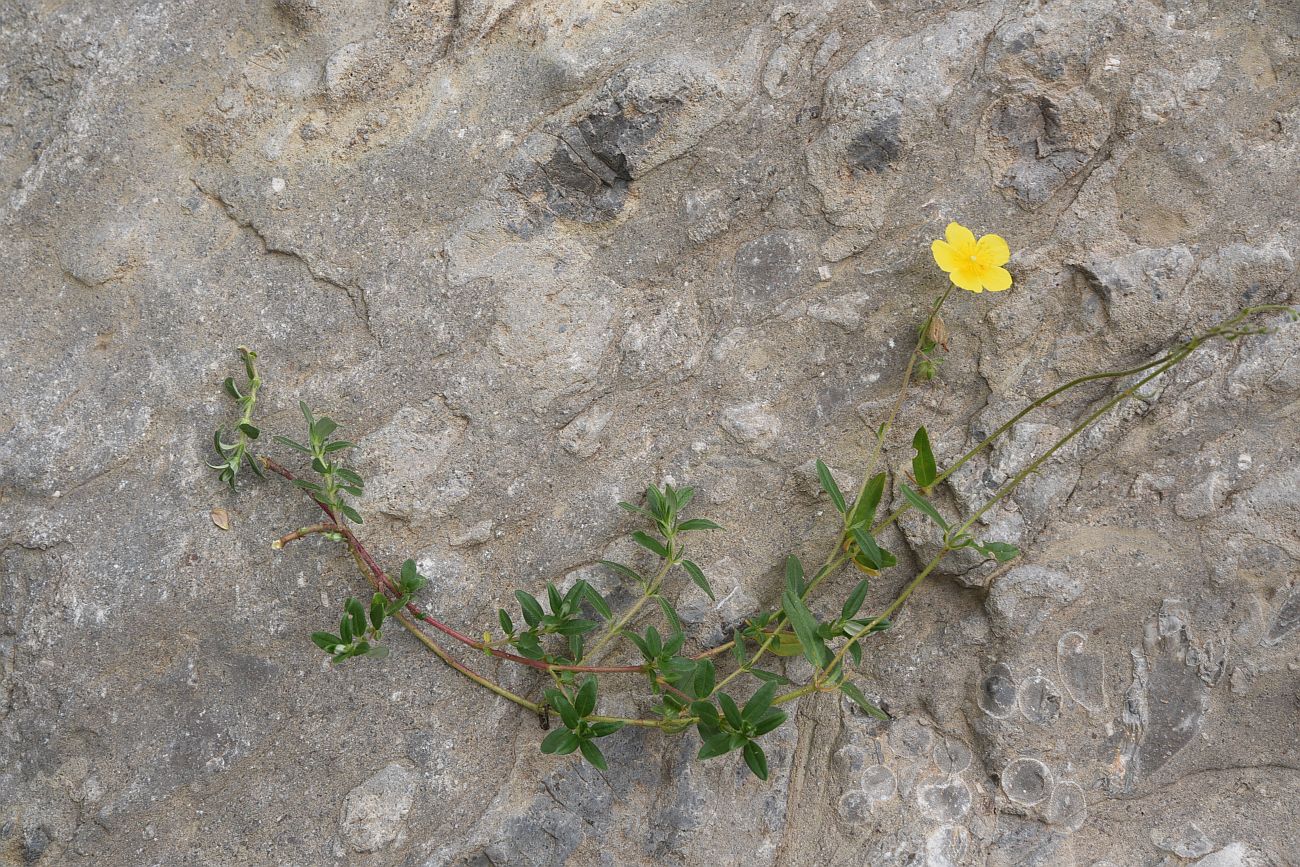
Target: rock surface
(534,254)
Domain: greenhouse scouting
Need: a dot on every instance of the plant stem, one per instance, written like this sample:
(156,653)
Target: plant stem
(652,587)
(323,527)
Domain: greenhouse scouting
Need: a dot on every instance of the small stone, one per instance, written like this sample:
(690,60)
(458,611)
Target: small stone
(478,534)
(751,424)
(374,812)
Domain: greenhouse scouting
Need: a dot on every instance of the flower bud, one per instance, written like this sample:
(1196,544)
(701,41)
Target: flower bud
(937,332)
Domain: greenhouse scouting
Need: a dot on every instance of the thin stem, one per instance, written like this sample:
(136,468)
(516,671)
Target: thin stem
(652,587)
(323,527)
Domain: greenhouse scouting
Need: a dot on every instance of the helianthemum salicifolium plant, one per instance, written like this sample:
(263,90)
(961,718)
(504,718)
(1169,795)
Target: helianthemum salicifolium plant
(733,694)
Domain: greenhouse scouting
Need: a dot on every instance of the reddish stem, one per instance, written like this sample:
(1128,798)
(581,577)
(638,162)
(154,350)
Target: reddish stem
(382,579)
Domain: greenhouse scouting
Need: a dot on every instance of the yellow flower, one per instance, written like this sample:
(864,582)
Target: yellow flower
(973,265)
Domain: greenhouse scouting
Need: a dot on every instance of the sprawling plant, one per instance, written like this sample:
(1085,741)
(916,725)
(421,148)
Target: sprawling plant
(568,636)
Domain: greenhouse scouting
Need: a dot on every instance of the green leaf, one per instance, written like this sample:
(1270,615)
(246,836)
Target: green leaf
(350,513)
(756,760)
(337,446)
(345,629)
(869,551)
(705,675)
(769,721)
(531,608)
(654,642)
(923,466)
(604,729)
(377,605)
(349,476)
(641,645)
(229,386)
(592,595)
(697,524)
(567,712)
(650,543)
(575,626)
(285,441)
(507,625)
(585,702)
(553,599)
(697,575)
(921,503)
(794,575)
(828,484)
(771,676)
(321,430)
(655,501)
(805,626)
(1002,551)
(716,745)
(864,510)
(759,703)
(854,603)
(730,711)
(861,701)
(325,641)
(358,613)
(625,571)
(592,753)
(560,742)
(684,497)
(670,614)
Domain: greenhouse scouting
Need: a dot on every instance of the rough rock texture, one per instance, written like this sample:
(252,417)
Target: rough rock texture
(534,255)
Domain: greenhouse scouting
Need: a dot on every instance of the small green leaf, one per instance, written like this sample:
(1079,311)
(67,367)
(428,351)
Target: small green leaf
(585,702)
(921,503)
(358,613)
(507,625)
(560,742)
(655,501)
(923,466)
(828,484)
(553,599)
(350,513)
(592,595)
(805,626)
(704,678)
(249,431)
(229,386)
(285,441)
(325,641)
(592,753)
(756,760)
(306,413)
(321,430)
(605,729)
(869,551)
(567,712)
(650,543)
(697,575)
(730,711)
(625,571)
(794,575)
(854,603)
(575,626)
(864,510)
(377,605)
(769,721)
(717,745)
(861,701)
(345,629)
(337,446)
(531,608)
(670,614)
(759,703)
(1002,551)
(697,524)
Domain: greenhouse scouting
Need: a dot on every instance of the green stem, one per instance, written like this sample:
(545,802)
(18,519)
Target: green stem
(652,587)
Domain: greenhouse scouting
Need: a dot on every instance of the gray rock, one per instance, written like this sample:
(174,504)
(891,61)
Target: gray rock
(374,812)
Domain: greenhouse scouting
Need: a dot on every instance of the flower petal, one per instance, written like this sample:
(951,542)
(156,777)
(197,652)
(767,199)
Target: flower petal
(944,256)
(961,239)
(992,250)
(964,279)
(996,279)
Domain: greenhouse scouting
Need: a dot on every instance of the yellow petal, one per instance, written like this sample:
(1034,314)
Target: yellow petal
(964,279)
(996,279)
(961,239)
(944,256)
(992,250)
